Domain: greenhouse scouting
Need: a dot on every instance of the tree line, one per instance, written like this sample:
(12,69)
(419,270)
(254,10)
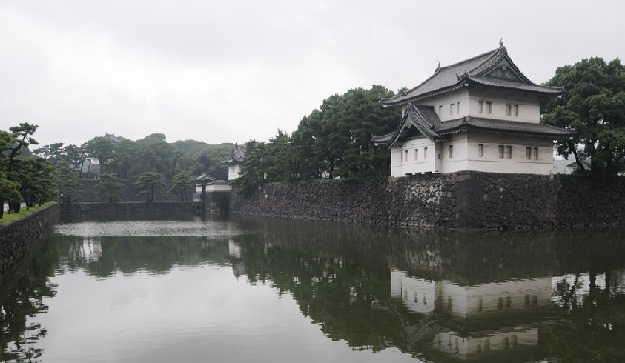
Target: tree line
(23,177)
(332,141)
(54,171)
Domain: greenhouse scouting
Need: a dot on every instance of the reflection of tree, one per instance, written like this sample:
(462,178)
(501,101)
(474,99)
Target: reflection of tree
(22,297)
(348,298)
(340,278)
(130,254)
(593,328)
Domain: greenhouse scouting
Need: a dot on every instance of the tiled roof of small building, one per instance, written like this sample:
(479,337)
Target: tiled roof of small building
(494,69)
(238,154)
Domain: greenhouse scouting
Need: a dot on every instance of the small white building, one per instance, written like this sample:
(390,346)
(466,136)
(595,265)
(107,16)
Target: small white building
(479,114)
(235,161)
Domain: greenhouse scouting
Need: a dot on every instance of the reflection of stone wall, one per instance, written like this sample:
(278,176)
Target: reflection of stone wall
(20,236)
(463,199)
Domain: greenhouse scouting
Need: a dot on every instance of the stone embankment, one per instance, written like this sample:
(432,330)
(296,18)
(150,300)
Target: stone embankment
(18,237)
(464,199)
(127,211)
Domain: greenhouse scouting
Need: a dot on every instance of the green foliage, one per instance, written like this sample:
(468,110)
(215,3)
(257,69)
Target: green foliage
(180,185)
(66,179)
(334,141)
(67,161)
(110,186)
(36,179)
(22,176)
(22,138)
(593,103)
(209,160)
(100,148)
(252,168)
(148,183)
(9,191)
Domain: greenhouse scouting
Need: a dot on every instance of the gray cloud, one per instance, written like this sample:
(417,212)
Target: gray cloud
(239,70)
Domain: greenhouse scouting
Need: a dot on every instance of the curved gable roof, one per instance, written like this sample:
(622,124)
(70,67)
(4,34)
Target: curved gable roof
(494,68)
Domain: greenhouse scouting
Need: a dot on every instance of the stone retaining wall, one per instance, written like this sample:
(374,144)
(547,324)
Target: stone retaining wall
(18,237)
(465,199)
(128,211)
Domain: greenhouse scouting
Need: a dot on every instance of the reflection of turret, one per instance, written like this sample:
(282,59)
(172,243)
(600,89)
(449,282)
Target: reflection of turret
(496,297)
(419,295)
(617,281)
(234,250)
(506,345)
(238,268)
(91,249)
(488,319)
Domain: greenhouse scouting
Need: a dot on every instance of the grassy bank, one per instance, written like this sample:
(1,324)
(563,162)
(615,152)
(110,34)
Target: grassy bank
(8,218)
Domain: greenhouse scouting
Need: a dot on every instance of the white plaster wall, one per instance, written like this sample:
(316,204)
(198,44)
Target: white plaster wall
(233,171)
(466,156)
(529,105)
(422,164)
(217,188)
(490,162)
(460,155)
(461,95)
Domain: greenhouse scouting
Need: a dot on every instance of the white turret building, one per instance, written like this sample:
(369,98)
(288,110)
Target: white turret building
(480,114)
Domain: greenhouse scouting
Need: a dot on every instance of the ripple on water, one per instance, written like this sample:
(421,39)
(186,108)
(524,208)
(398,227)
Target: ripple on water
(149,228)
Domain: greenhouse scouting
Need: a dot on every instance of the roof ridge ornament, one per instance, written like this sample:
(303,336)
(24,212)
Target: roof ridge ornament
(501,42)
(438,67)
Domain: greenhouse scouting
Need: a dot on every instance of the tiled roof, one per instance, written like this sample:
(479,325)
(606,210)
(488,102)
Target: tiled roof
(494,68)
(515,85)
(417,119)
(425,120)
(238,154)
(503,126)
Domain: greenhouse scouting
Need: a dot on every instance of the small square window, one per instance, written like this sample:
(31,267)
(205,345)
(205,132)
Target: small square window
(451,151)
(405,155)
(508,109)
(489,107)
(480,150)
(509,152)
(451,109)
(458,108)
(425,153)
(516,110)
(440,110)
(416,154)
(500,151)
(480,106)
(535,153)
(528,153)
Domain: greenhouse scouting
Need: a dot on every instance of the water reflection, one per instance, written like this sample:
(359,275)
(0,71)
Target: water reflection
(435,297)
(22,295)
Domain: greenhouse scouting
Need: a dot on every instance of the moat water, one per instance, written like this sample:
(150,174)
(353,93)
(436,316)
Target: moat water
(252,290)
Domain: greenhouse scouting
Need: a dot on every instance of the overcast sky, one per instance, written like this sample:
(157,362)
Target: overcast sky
(235,70)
